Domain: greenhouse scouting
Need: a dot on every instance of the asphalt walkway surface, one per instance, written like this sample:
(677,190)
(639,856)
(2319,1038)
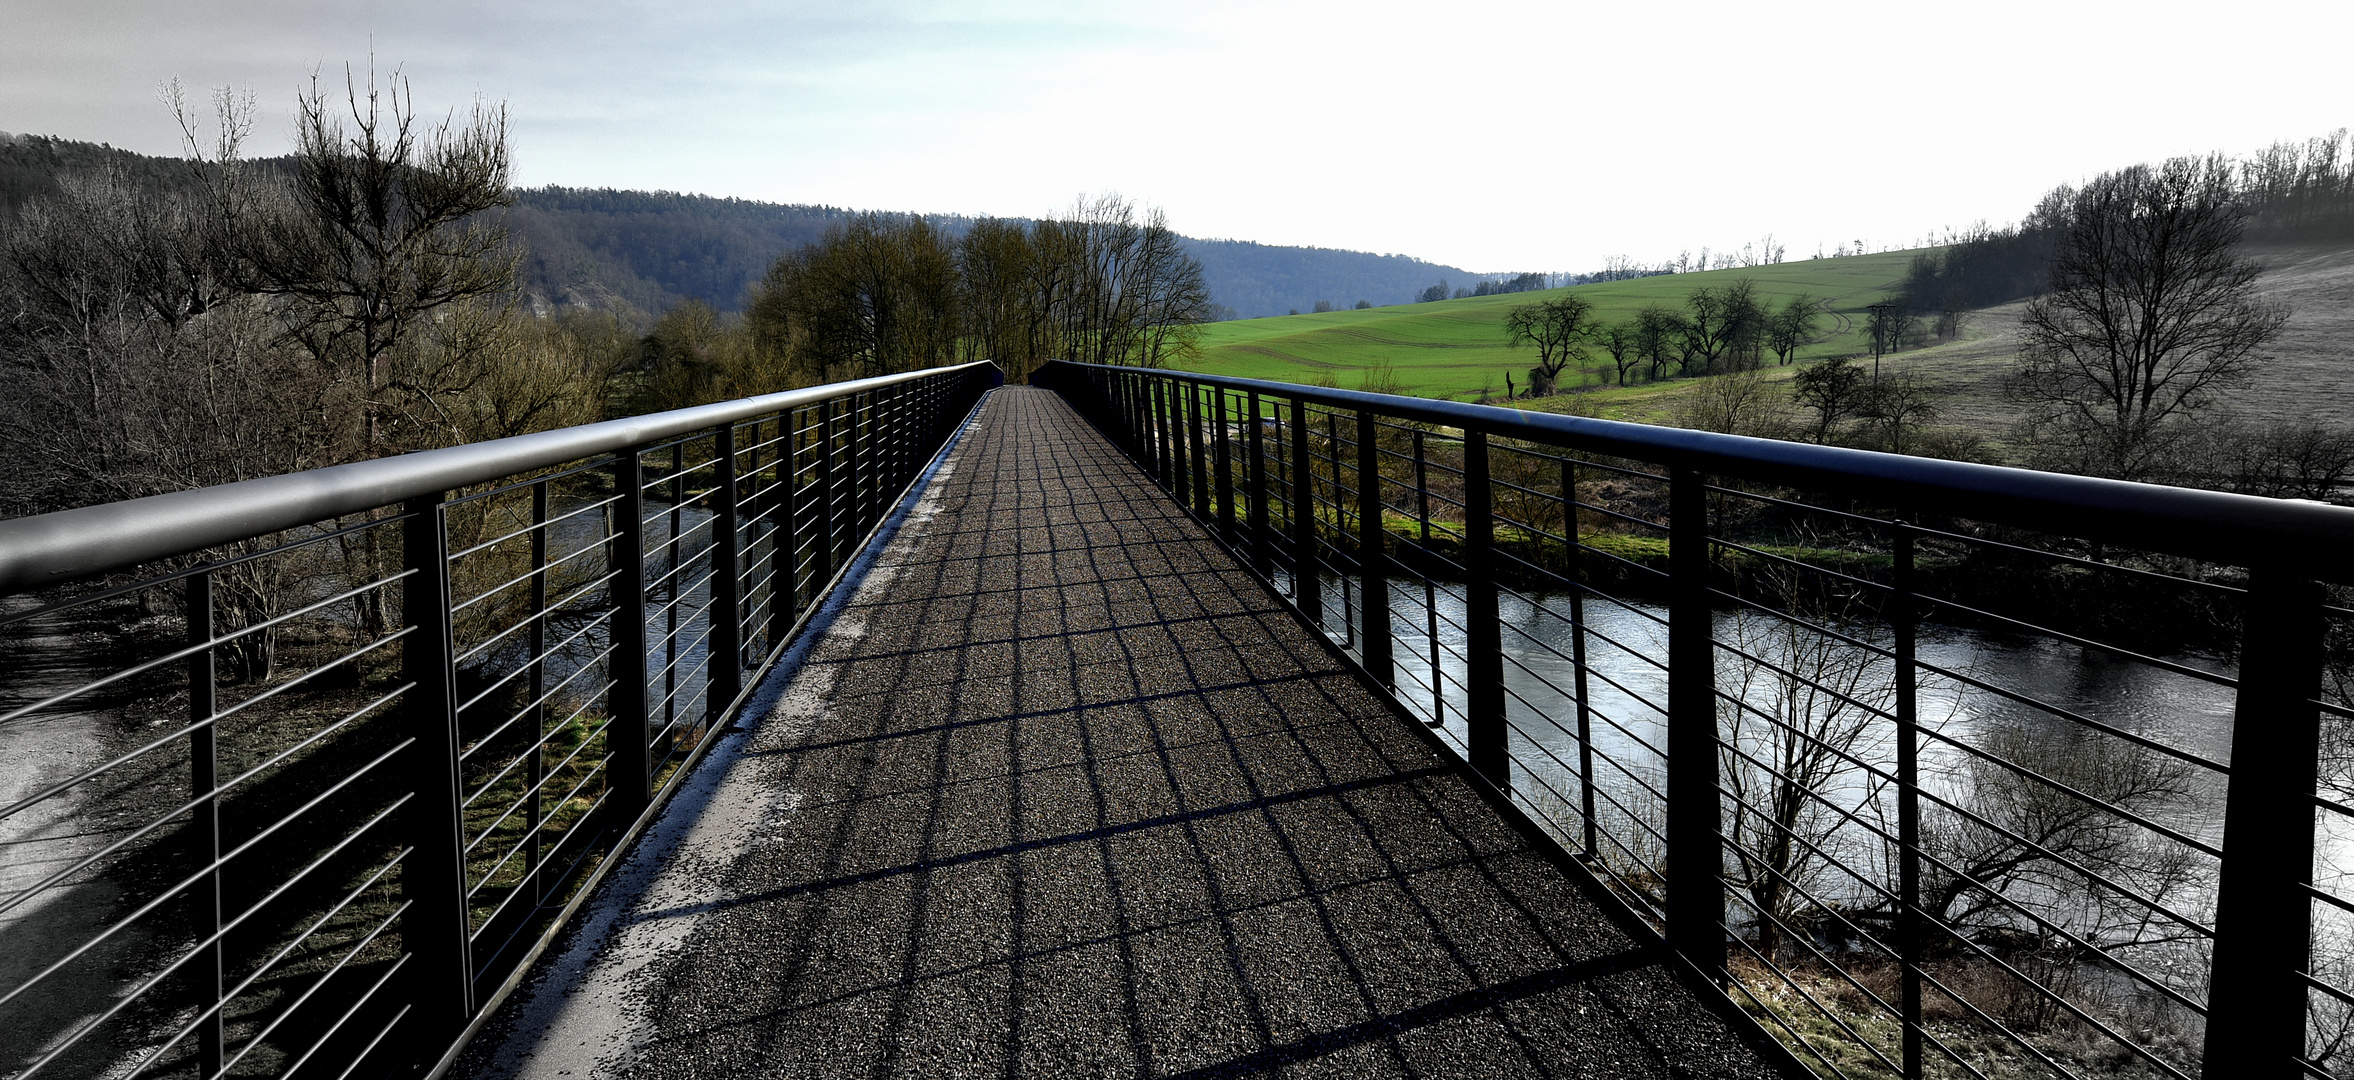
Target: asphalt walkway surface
(1064,792)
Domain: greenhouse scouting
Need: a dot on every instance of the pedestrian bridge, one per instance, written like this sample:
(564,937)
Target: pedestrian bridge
(922,725)
(1060,790)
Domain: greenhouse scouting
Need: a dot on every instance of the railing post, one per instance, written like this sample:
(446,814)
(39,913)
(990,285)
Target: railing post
(433,876)
(1483,722)
(822,550)
(1199,473)
(784,534)
(1430,585)
(2264,913)
(857,446)
(625,738)
(1307,585)
(1157,431)
(204,827)
(674,548)
(1577,653)
(1695,903)
(1135,399)
(537,771)
(724,657)
(1139,417)
(1372,552)
(1225,467)
(1911,928)
(1254,469)
(1180,468)
(1340,528)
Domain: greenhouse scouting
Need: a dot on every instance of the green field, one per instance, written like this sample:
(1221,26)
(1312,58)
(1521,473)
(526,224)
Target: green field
(1456,348)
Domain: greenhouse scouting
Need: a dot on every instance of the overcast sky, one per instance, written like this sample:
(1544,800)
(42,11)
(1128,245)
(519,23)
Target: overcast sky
(1493,136)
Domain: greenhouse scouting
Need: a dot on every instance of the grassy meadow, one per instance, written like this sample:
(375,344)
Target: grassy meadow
(1456,348)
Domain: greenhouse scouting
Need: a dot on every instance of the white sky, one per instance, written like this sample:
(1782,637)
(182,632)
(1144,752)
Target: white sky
(1496,136)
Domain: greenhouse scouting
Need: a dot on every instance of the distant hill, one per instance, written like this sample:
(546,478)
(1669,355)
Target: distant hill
(1264,279)
(598,247)
(653,249)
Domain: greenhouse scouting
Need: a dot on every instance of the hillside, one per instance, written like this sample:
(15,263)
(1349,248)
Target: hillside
(647,251)
(1456,348)
(1264,279)
(651,250)
(1449,349)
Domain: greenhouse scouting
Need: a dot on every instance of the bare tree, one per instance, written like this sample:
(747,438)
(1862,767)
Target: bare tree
(1791,325)
(1890,326)
(2294,459)
(1624,342)
(1800,708)
(1558,328)
(1736,403)
(1721,326)
(1895,409)
(2151,313)
(380,228)
(1834,388)
(1659,332)
(2044,816)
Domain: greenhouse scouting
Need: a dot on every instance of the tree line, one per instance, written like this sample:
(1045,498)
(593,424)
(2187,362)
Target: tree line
(2290,190)
(244,319)
(1718,328)
(2143,320)
(1105,283)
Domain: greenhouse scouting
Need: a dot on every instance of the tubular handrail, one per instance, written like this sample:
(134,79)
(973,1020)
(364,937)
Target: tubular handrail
(2212,525)
(66,544)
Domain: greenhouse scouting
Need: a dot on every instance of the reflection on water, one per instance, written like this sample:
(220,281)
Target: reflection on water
(2040,700)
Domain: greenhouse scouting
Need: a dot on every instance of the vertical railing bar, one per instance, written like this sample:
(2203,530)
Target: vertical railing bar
(1430,587)
(723,658)
(535,778)
(1225,467)
(1306,582)
(1255,471)
(632,769)
(1911,929)
(1156,425)
(1577,651)
(1144,442)
(434,926)
(204,833)
(822,547)
(1484,731)
(1200,477)
(784,533)
(1372,554)
(1340,527)
(673,594)
(1179,467)
(1695,902)
(2256,998)
(870,474)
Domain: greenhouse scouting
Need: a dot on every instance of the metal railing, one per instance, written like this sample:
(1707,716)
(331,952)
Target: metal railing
(1935,768)
(297,774)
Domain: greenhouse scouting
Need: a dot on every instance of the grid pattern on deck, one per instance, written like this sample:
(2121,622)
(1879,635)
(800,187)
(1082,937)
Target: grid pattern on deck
(1072,795)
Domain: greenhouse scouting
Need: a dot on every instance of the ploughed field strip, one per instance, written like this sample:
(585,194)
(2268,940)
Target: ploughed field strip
(1064,792)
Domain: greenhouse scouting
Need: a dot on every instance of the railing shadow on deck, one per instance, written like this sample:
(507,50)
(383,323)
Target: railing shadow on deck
(1935,768)
(302,772)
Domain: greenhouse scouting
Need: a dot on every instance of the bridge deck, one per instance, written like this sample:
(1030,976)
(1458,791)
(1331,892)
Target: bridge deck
(1063,791)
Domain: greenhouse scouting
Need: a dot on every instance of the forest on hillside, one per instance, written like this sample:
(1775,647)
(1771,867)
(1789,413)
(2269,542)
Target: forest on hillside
(645,252)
